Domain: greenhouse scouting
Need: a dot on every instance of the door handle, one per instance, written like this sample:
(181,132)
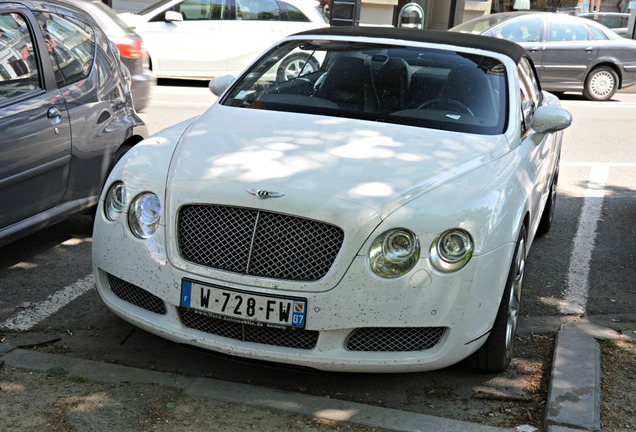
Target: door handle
(55,115)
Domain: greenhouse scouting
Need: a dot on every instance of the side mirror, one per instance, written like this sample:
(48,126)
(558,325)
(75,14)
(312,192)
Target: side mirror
(218,85)
(549,119)
(172,16)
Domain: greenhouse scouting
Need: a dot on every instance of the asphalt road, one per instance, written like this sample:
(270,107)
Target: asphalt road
(585,266)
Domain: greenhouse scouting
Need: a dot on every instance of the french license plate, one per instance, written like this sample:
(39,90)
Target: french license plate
(241,305)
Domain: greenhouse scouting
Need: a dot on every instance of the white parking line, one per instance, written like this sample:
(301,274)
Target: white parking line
(37,312)
(575,295)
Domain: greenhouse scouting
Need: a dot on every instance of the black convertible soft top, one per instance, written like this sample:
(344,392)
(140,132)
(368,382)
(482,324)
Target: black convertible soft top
(510,49)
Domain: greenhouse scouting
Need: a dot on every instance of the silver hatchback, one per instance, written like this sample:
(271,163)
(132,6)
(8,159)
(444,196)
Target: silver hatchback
(66,114)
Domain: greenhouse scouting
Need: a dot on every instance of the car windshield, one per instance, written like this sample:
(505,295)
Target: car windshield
(415,86)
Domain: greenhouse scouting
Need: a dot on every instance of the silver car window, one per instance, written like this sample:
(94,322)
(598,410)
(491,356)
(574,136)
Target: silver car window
(598,35)
(19,72)
(567,32)
(261,10)
(530,93)
(526,29)
(70,44)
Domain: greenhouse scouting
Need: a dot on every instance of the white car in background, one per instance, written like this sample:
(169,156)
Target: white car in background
(197,39)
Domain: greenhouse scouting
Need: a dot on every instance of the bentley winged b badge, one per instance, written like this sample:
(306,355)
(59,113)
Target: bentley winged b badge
(262,194)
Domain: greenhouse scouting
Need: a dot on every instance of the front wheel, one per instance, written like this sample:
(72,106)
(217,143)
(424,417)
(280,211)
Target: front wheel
(496,354)
(601,84)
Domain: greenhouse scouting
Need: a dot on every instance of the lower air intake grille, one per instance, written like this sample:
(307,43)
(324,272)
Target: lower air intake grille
(394,339)
(283,337)
(135,295)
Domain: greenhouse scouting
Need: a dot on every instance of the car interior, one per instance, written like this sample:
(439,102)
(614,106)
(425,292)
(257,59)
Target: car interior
(422,87)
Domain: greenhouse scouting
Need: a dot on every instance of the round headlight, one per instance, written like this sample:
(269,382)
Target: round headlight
(452,250)
(144,215)
(393,253)
(115,201)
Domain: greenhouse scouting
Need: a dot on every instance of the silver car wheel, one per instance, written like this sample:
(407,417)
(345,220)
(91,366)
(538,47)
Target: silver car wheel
(293,68)
(496,353)
(601,84)
(514,300)
(293,65)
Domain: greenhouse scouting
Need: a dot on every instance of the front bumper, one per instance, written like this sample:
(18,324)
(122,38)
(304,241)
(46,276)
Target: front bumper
(420,322)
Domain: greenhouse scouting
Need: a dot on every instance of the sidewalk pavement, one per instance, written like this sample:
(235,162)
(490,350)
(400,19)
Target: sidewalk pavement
(573,399)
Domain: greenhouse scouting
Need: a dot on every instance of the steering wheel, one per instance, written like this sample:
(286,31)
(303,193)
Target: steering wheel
(447,103)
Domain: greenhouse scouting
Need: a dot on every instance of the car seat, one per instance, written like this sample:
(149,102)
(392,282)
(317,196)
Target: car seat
(347,83)
(390,82)
(470,86)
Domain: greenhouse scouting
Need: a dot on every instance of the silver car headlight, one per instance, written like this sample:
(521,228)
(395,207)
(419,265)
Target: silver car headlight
(144,215)
(394,252)
(115,201)
(452,250)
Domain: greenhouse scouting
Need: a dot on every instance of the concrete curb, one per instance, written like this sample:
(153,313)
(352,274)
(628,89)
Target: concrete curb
(243,394)
(574,395)
(573,402)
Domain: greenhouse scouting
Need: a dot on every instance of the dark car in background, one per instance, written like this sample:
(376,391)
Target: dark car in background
(66,114)
(569,52)
(131,48)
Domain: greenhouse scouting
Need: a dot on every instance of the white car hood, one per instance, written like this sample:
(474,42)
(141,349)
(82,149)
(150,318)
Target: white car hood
(377,165)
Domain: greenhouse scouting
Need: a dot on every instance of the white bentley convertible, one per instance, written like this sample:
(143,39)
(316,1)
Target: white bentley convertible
(370,213)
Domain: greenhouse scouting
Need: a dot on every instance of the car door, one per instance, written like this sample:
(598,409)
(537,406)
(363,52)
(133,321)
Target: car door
(35,134)
(194,46)
(569,51)
(542,157)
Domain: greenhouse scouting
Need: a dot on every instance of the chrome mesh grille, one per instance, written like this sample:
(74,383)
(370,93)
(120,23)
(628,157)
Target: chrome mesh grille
(394,339)
(283,337)
(256,242)
(135,295)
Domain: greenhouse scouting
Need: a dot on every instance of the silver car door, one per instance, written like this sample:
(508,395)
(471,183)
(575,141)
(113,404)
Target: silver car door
(569,51)
(35,135)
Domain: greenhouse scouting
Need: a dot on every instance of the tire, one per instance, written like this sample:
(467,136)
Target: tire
(496,354)
(291,67)
(548,211)
(601,84)
(121,151)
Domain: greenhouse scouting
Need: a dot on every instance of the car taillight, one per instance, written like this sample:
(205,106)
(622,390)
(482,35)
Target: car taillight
(134,49)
